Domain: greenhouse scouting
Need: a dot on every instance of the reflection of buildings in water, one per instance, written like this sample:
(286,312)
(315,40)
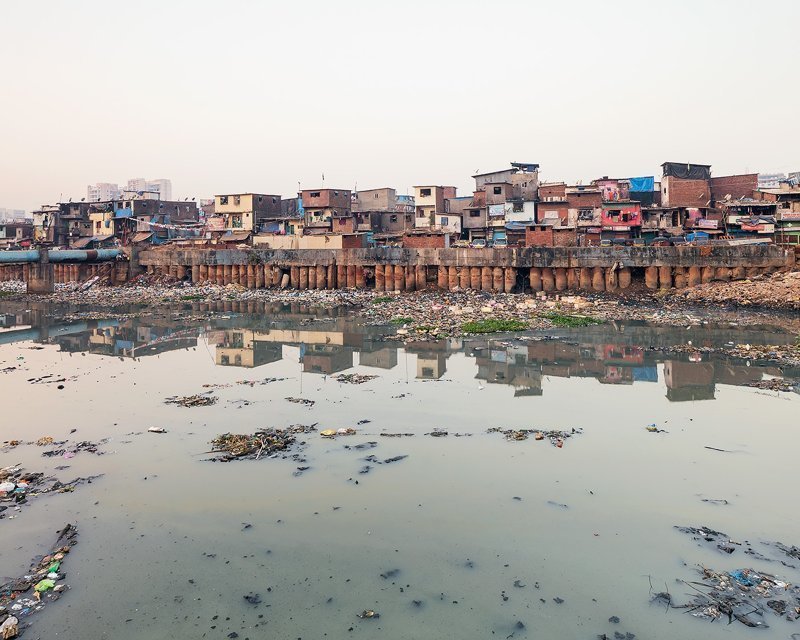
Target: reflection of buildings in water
(127,340)
(698,380)
(431,358)
(509,366)
(328,359)
(242,348)
(689,380)
(607,363)
(431,366)
(385,358)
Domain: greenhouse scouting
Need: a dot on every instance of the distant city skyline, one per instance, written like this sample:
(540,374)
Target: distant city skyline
(585,89)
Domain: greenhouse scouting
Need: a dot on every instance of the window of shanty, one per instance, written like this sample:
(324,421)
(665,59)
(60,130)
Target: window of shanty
(236,200)
(223,200)
(517,207)
(474,214)
(393,218)
(498,191)
(315,194)
(425,193)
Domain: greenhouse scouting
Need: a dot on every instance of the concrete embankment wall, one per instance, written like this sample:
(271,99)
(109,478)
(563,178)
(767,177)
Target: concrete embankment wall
(498,270)
(395,269)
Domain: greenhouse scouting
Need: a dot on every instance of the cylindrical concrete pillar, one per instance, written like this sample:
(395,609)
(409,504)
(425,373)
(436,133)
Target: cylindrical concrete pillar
(341,276)
(475,278)
(573,281)
(303,278)
(548,279)
(388,277)
(708,274)
(664,277)
(351,276)
(441,279)
(464,278)
(452,278)
(322,276)
(331,279)
(399,278)
(251,276)
(535,278)
(560,276)
(497,279)
(509,279)
(196,273)
(624,277)
(612,283)
(738,273)
(723,274)
(312,277)
(651,277)
(694,276)
(203,273)
(285,279)
(380,277)
(361,278)
(259,274)
(585,278)
(411,278)
(227,274)
(598,279)
(421,277)
(679,277)
(294,276)
(486,279)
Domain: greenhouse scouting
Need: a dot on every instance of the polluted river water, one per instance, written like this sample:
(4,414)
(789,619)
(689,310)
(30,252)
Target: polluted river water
(472,535)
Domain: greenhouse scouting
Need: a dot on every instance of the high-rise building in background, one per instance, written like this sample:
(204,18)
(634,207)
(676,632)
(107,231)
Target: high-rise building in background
(102,191)
(156,189)
(12,214)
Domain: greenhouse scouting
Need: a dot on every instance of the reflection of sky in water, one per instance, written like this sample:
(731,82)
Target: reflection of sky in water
(445,516)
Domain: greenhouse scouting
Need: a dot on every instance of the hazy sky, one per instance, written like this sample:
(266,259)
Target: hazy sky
(243,95)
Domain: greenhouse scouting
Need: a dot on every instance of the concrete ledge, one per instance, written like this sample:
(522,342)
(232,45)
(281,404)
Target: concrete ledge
(698,256)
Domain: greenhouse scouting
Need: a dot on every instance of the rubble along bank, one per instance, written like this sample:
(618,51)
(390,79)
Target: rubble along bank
(778,291)
(434,313)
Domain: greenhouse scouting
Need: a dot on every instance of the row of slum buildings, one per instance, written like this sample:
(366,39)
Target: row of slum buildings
(509,207)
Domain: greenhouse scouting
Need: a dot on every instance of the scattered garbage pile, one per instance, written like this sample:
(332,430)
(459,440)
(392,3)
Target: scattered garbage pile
(263,443)
(332,433)
(556,438)
(247,383)
(25,596)
(304,401)
(776,291)
(776,384)
(353,378)
(199,400)
(744,595)
(18,486)
(67,450)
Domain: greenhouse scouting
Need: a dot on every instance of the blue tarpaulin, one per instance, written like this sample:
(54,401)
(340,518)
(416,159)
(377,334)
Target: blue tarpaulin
(646,183)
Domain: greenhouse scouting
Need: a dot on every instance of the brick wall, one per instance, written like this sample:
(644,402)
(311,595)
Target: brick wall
(741,186)
(676,192)
(565,238)
(552,191)
(424,241)
(536,237)
(584,199)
